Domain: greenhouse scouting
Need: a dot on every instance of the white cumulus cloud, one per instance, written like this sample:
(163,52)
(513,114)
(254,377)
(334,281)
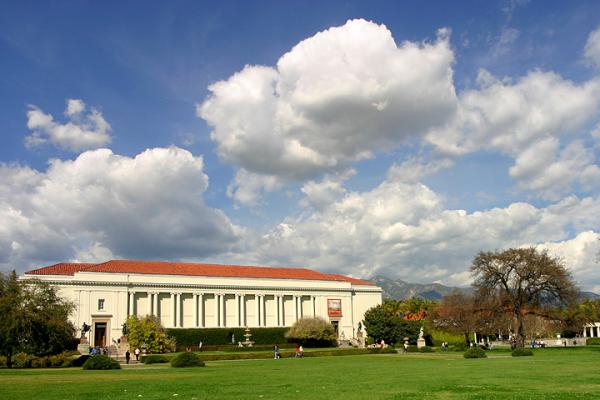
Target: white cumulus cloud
(592,48)
(402,229)
(81,131)
(102,204)
(336,97)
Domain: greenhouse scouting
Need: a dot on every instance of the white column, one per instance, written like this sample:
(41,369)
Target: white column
(282,299)
(243,310)
(278,308)
(295,301)
(257,298)
(178,309)
(223,311)
(237,309)
(201,310)
(263,313)
(156,294)
(131,303)
(173,308)
(149,303)
(196,315)
(217,300)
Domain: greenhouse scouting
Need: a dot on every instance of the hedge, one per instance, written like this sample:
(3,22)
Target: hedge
(62,360)
(155,359)
(475,352)
(183,360)
(593,341)
(268,355)
(99,362)
(221,336)
(521,352)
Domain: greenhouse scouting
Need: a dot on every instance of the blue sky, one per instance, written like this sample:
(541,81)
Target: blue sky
(388,138)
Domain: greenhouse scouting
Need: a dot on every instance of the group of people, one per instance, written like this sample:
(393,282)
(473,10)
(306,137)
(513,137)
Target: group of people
(298,351)
(136,352)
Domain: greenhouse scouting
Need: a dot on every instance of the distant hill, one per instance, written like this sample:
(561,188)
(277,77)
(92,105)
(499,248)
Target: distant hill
(590,295)
(399,289)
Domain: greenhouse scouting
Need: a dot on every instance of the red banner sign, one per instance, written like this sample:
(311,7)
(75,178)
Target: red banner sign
(334,307)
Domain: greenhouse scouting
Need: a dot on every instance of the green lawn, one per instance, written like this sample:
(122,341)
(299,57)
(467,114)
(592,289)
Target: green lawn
(550,374)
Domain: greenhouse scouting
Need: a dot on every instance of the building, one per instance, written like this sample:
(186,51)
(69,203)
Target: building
(591,330)
(185,295)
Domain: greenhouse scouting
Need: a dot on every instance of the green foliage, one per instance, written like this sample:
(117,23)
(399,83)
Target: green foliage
(312,332)
(34,319)
(148,333)
(426,349)
(101,362)
(155,359)
(381,323)
(222,336)
(522,352)
(475,352)
(440,336)
(186,360)
(593,341)
(79,361)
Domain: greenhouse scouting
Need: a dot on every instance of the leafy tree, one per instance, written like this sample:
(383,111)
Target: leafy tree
(457,313)
(148,333)
(382,323)
(521,282)
(34,319)
(312,332)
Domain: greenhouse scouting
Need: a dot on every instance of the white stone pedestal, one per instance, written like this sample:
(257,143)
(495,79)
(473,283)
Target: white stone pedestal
(420,343)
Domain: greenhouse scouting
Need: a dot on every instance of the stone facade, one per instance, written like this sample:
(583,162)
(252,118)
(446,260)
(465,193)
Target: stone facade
(105,297)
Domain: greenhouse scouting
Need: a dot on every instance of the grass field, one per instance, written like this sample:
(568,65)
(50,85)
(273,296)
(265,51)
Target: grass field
(550,374)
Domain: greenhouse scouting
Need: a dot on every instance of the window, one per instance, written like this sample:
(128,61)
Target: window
(100,304)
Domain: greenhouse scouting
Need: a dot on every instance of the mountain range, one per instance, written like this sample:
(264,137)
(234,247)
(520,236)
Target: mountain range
(398,289)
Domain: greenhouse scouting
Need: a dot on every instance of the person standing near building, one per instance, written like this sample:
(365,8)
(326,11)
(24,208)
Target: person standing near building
(200,345)
(137,354)
(276,354)
(127,356)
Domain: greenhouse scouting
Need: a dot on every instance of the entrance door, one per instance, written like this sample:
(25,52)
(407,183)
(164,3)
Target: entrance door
(336,326)
(100,334)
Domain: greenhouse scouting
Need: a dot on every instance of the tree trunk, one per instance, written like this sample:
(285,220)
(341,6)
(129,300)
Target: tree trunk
(467,341)
(520,329)
(9,360)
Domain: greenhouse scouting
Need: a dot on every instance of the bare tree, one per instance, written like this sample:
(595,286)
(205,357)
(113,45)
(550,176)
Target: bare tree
(521,282)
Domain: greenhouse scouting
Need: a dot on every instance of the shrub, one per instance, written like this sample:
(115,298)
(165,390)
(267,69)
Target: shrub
(426,349)
(101,362)
(222,336)
(186,360)
(593,341)
(312,332)
(22,360)
(155,359)
(440,336)
(458,347)
(383,323)
(79,361)
(475,352)
(521,352)
(149,332)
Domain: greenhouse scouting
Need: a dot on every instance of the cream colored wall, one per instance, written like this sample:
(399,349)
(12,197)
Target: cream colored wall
(116,299)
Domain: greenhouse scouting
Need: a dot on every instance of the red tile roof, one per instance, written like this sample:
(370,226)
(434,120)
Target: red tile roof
(189,269)
(61,269)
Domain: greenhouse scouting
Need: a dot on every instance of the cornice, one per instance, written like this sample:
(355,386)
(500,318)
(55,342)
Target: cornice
(200,287)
